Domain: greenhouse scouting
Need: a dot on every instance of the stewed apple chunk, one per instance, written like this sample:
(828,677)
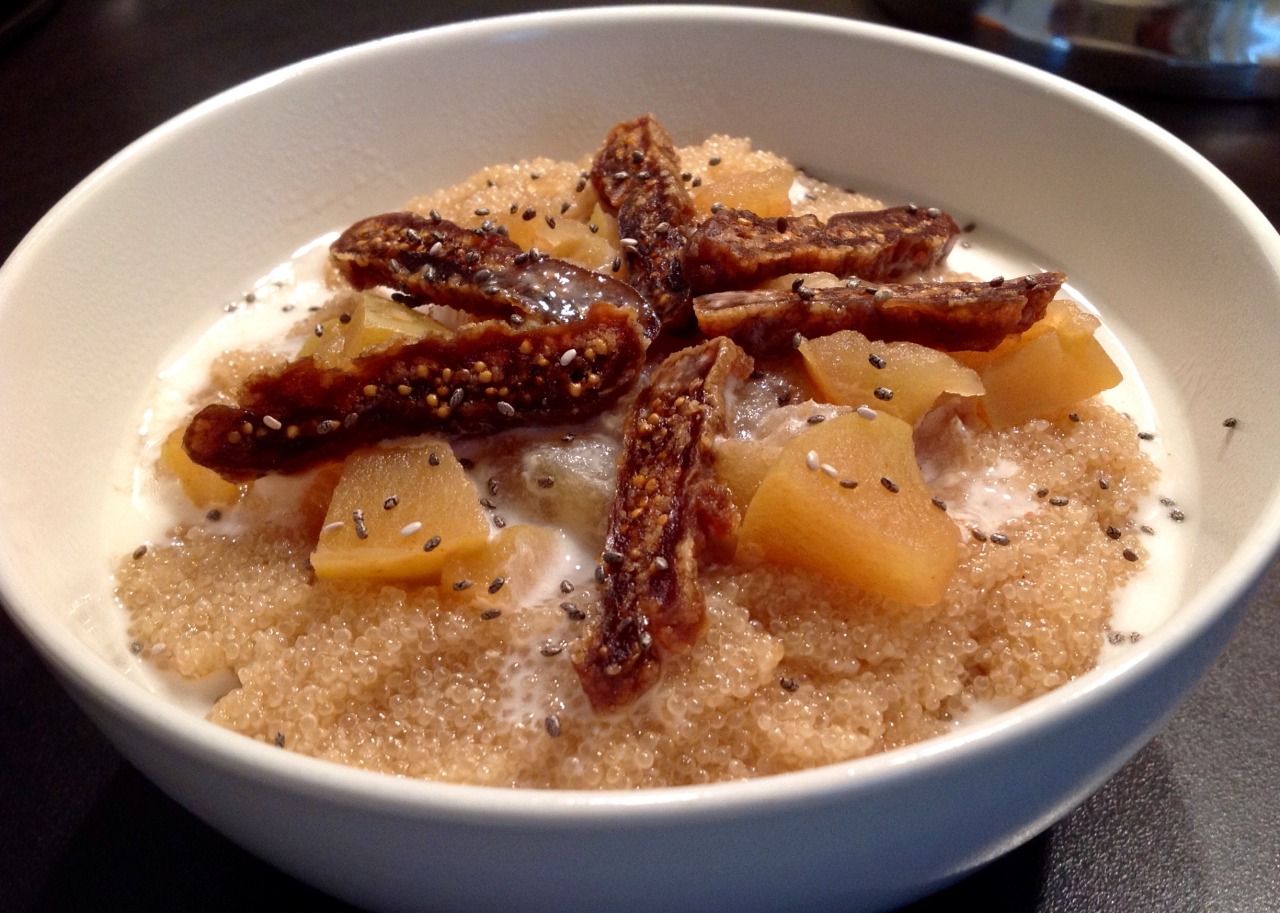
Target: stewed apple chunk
(901,378)
(593,244)
(742,463)
(372,323)
(765,193)
(1050,367)
(847,499)
(741,466)
(378,322)
(506,572)
(398,513)
(203,487)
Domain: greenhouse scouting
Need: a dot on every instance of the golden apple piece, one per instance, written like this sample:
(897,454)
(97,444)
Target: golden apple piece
(740,466)
(901,378)
(1048,371)
(326,344)
(846,499)
(377,322)
(398,513)
(766,193)
(373,323)
(577,242)
(202,486)
(742,463)
(510,571)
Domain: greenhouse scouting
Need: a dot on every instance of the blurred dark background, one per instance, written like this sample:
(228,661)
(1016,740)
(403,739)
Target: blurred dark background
(1191,824)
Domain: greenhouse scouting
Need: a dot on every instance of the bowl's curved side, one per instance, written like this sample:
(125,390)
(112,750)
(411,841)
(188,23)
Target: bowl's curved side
(144,250)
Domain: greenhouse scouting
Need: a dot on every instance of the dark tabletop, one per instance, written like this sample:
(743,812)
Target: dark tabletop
(1191,824)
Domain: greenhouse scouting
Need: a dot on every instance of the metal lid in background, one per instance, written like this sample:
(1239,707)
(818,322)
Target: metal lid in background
(1207,48)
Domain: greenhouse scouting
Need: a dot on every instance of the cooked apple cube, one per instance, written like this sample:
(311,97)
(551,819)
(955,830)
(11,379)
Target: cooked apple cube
(204,487)
(847,499)
(1047,371)
(506,573)
(574,240)
(901,378)
(766,193)
(372,323)
(377,322)
(742,463)
(326,344)
(398,513)
(741,466)
(606,226)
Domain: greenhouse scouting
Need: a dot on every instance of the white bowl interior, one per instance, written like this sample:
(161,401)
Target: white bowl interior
(144,254)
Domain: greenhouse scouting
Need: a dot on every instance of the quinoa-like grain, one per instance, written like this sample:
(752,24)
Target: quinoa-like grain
(792,671)
(390,679)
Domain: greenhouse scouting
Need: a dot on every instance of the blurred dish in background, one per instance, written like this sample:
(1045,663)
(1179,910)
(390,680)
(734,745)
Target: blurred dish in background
(1208,48)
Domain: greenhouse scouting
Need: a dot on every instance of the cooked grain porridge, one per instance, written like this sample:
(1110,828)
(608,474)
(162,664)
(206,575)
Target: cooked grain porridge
(492,655)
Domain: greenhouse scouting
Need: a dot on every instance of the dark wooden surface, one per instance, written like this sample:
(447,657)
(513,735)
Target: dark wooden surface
(1191,824)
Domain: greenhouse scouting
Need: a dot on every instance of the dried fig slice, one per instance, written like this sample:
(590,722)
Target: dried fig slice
(481,272)
(669,508)
(736,249)
(950,316)
(637,174)
(486,377)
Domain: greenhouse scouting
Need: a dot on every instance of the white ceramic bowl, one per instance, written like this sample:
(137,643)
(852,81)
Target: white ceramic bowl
(135,260)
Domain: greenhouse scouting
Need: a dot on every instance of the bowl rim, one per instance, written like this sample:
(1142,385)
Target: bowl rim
(94,677)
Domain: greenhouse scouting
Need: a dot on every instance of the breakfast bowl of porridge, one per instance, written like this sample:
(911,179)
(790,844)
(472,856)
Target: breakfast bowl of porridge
(725,490)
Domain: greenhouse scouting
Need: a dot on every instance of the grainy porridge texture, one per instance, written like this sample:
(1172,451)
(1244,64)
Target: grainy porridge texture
(474,683)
